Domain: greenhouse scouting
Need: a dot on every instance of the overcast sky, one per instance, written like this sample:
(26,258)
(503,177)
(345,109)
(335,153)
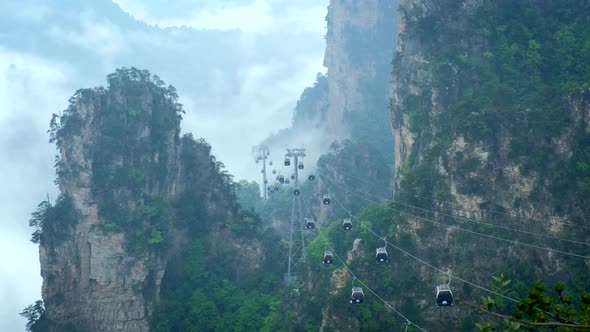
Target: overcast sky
(239,87)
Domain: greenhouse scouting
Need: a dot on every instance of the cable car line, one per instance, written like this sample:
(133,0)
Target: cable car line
(459,217)
(422,261)
(569,224)
(367,287)
(477,233)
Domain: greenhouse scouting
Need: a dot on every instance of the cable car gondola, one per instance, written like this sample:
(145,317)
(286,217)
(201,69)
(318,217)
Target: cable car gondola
(311,177)
(276,188)
(274,171)
(287,162)
(281,179)
(300,165)
(357,295)
(347,224)
(287,181)
(328,257)
(292,176)
(326,200)
(296,191)
(444,295)
(309,223)
(270,163)
(381,255)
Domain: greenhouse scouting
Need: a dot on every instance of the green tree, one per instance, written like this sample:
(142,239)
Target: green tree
(33,313)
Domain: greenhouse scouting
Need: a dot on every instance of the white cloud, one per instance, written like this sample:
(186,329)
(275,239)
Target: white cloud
(98,36)
(30,90)
(264,104)
(248,93)
(260,16)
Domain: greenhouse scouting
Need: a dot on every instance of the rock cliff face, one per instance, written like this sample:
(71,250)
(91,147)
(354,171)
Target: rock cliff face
(436,74)
(479,137)
(359,47)
(486,135)
(129,176)
(349,102)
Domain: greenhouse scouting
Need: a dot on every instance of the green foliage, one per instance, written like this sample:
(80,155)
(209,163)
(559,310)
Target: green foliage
(33,314)
(52,222)
(513,77)
(196,298)
(126,161)
(248,194)
(537,307)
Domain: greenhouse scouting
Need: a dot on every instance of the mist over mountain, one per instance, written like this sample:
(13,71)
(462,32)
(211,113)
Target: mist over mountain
(443,184)
(233,82)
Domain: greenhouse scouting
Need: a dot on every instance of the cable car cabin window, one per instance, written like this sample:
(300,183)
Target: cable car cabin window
(328,257)
(381,255)
(347,224)
(444,296)
(326,200)
(357,295)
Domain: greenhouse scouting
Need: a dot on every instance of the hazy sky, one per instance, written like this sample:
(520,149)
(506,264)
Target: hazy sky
(237,87)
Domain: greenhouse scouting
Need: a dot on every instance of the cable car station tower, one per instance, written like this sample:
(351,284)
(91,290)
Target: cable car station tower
(296,239)
(261,152)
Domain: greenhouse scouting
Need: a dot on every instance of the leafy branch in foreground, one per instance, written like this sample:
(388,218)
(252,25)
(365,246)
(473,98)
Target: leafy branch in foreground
(561,313)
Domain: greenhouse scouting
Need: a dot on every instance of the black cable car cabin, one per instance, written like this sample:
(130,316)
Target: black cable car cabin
(311,177)
(270,163)
(326,200)
(287,181)
(292,176)
(309,223)
(296,191)
(381,255)
(300,165)
(281,179)
(274,171)
(328,257)
(444,296)
(347,224)
(287,162)
(276,188)
(357,295)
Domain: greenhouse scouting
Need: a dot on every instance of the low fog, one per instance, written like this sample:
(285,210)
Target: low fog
(239,67)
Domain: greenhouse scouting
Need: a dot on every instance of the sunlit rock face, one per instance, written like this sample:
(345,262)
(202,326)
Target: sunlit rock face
(131,179)
(90,281)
